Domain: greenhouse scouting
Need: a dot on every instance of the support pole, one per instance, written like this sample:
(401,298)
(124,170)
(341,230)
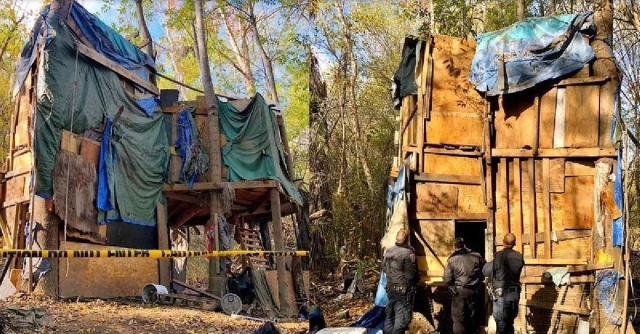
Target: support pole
(216,283)
(279,240)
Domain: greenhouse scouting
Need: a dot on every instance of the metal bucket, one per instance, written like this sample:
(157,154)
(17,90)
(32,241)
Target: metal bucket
(151,291)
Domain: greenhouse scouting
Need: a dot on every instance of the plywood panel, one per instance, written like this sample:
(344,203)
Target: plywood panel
(578,203)
(22,161)
(556,175)
(272,280)
(436,198)
(582,116)
(547,117)
(76,176)
(502,198)
(104,277)
(579,168)
(471,199)
(515,121)
(452,165)
(452,90)
(455,128)
(438,236)
(15,188)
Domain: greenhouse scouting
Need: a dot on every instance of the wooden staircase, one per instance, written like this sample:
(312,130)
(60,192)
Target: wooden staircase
(251,241)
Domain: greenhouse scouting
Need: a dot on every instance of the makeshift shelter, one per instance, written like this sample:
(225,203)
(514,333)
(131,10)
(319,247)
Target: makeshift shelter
(517,132)
(101,158)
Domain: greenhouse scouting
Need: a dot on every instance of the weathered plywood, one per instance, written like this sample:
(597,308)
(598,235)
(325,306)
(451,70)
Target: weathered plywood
(452,165)
(579,168)
(272,281)
(16,188)
(455,128)
(438,236)
(471,199)
(515,121)
(582,116)
(104,277)
(436,198)
(556,175)
(76,176)
(578,203)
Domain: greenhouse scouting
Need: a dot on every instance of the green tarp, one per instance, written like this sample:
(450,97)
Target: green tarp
(254,150)
(139,142)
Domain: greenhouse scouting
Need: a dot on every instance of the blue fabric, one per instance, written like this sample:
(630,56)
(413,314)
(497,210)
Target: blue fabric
(149,105)
(534,50)
(381,293)
(618,224)
(373,319)
(195,160)
(606,283)
(104,193)
(111,44)
(396,188)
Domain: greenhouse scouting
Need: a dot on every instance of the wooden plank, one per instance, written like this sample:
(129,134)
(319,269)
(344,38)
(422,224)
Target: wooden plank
(278,235)
(436,198)
(452,151)
(517,206)
(450,216)
(607,199)
(546,204)
(187,198)
(15,188)
(164,265)
(503,177)
(582,105)
(447,178)
(115,67)
(579,168)
(467,129)
(533,221)
(435,242)
(515,121)
(560,236)
(557,176)
(14,173)
(555,153)
(559,123)
(583,81)
(557,262)
(578,203)
(544,280)
(547,118)
(194,289)
(104,277)
(590,267)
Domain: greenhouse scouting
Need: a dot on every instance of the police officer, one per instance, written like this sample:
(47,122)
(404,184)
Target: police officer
(504,271)
(463,275)
(401,269)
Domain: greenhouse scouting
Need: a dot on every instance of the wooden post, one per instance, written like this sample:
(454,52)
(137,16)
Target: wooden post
(279,241)
(163,243)
(215,167)
(546,200)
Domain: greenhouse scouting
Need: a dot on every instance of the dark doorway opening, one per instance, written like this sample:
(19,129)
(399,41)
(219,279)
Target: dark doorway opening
(473,234)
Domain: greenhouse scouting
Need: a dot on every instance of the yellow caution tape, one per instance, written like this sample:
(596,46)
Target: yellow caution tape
(148,253)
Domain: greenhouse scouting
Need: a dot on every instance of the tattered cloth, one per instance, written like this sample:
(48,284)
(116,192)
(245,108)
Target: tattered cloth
(530,52)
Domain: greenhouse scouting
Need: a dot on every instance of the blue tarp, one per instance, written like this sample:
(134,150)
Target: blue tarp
(530,52)
(606,287)
(195,160)
(618,224)
(103,201)
(111,44)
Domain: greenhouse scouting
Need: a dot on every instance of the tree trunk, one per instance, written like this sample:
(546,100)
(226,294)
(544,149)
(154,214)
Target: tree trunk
(268,64)
(146,35)
(46,237)
(520,10)
(241,52)
(215,170)
(552,7)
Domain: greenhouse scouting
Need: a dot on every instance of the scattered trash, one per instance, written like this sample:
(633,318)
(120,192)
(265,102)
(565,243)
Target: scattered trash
(34,318)
(151,291)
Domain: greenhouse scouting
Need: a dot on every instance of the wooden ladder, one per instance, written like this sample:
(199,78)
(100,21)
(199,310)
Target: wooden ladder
(251,241)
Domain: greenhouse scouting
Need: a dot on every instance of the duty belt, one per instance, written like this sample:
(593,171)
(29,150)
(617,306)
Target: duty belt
(401,289)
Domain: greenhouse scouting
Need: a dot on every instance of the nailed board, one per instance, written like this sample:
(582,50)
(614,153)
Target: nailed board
(547,118)
(435,198)
(578,203)
(582,107)
(82,188)
(452,165)
(556,175)
(455,128)
(515,121)
(104,277)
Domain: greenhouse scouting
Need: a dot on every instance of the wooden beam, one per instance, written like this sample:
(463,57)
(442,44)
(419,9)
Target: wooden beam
(115,67)
(590,267)
(546,206)
(517,185)
(545,280)
(452,151)
(446,178)
(186,198)
(217,186)
(278,234)
(555,307)
(560,236)
(555,153)
(533,221)
(582,81)
(555,262)
(164,265)
(190,213)
(450,216)
(17,172)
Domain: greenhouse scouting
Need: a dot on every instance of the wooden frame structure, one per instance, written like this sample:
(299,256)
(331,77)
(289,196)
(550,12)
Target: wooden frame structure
(257,200)
(537,164)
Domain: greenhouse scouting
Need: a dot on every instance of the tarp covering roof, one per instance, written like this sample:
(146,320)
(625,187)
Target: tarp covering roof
(530,52)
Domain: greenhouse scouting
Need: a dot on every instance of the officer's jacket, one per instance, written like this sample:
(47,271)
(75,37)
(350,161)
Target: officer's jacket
(401,266)
(505,269)
(464,268)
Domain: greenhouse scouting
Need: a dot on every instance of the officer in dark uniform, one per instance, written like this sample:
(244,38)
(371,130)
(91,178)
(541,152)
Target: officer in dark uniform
(504,271)
(463,275)
(402,276)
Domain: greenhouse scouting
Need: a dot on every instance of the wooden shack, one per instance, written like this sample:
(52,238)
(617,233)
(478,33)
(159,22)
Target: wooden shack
(69,217)
(539,164)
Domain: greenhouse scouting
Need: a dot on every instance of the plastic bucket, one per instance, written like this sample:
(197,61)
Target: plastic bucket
(151,291)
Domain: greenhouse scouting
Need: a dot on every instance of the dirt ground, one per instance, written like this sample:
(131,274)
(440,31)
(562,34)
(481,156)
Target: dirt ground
(129,316)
